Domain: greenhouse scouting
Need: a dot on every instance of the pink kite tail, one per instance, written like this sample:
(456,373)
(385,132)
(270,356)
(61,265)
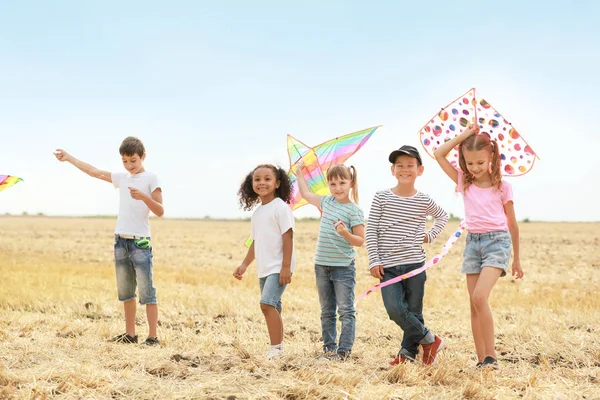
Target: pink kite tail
(453,239)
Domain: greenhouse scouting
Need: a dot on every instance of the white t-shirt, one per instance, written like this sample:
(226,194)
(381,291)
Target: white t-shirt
(269,223)
(133,214)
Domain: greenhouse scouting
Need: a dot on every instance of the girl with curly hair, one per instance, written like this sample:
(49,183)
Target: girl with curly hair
(272,245)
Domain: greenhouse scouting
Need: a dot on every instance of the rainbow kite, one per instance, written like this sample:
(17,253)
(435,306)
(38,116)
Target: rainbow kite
(318,158)
(7,181)
(517,157)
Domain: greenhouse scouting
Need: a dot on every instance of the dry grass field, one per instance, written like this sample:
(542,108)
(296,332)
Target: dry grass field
(58,307)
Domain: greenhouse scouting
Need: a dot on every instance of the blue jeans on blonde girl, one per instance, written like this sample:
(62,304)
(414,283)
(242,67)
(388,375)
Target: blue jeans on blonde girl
(336,291)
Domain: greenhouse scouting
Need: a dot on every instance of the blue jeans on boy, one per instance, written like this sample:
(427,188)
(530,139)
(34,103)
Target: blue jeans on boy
(403,302)
(336,290)
(133,266)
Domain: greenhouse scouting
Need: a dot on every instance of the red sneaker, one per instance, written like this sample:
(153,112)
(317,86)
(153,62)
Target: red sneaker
(401,359)
(430,350)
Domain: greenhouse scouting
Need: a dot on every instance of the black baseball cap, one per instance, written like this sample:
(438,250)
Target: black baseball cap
(405,150)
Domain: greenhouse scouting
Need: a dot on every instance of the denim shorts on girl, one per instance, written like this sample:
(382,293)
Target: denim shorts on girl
(491,249)
(133,264)
(271,291)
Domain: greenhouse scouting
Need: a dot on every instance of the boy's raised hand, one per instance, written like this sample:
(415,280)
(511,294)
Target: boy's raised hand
(377,272)
(299,167)
(61,155)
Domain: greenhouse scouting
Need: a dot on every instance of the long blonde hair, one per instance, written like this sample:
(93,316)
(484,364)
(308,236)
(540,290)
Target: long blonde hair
(340,171)
(477,143)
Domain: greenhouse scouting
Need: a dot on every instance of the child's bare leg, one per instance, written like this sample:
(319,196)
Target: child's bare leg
(281,319)
(152,315)
(477,336)
(274,324)
(485,284)
(129,307)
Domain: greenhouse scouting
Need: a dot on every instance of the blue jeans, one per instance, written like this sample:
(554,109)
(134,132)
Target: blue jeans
(271,291)
(403,302)
(133,267)
(336,290)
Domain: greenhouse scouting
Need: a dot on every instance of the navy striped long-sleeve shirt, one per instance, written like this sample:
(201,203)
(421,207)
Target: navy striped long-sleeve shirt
(396,228)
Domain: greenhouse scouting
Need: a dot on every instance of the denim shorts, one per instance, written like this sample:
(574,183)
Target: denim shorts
(271,291)
(133,266)
(490,249)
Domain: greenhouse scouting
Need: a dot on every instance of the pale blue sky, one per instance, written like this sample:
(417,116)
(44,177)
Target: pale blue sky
(212,88)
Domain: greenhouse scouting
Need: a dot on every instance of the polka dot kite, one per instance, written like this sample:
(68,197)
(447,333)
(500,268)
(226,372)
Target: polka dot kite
(517,155)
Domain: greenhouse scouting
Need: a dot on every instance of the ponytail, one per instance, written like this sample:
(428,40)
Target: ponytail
(354,183)
(496,166)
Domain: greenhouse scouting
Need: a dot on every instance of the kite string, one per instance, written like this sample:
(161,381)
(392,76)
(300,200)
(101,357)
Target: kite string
(447,246)
(475,105)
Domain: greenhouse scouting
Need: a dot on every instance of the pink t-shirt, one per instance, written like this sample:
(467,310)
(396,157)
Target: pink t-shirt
(484,208)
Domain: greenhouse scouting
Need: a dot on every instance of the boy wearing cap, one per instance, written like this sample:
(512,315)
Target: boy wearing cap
(395,236)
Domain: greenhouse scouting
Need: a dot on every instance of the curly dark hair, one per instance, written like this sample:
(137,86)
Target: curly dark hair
(249,198)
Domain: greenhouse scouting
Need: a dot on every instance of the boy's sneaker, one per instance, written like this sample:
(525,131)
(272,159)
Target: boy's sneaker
(401,359)
(274,352)
(335,356)
(330,356)
(152,341)
(430,350)
(489,362)
(124,338)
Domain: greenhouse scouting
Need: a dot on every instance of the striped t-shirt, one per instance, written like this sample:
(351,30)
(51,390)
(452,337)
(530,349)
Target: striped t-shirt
(332,249)
(396,228)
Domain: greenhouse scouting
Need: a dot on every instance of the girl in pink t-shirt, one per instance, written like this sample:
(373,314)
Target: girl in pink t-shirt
(492,226)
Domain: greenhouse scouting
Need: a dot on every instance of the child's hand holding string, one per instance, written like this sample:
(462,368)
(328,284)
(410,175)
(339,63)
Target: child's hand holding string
(472,129)
(299,167)
(340,227)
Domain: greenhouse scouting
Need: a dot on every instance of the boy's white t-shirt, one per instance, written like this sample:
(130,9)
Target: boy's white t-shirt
(134,214)
(269,223)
